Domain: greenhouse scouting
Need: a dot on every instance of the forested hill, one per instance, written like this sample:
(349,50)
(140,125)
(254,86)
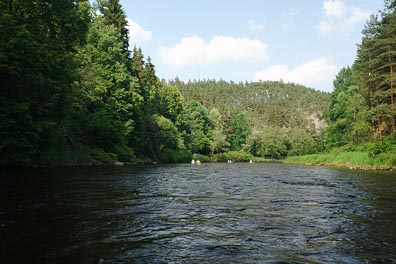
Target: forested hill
(272,104)
(74,92)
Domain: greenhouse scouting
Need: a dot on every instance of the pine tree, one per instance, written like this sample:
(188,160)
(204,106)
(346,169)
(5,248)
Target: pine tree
(115,15)
(388,43)
(150,72)
(375,68)
(138,65)
(37,69)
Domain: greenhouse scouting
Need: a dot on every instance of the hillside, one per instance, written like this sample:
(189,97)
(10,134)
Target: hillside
(277,108)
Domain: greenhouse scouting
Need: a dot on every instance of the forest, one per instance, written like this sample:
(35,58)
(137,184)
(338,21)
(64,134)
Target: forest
(361,115)
(73,92)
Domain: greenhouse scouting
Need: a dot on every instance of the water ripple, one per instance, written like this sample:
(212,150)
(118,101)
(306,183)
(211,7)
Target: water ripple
(214,213)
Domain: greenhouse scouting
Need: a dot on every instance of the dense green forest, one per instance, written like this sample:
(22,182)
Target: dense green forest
(266,119)
(74,92)
(361,117)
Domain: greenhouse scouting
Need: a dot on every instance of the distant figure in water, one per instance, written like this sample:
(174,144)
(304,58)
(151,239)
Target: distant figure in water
(198,162)
(193,162)
(229,161)
(251,161)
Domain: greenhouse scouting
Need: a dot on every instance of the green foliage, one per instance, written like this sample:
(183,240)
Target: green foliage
(197,128)
(201,157)
(70,88)
(362,107)
(234,156)
(124,153)
(105,79)
(388,158)
(347,159)
(387,145)
(218,137)
(102,130)
(374,70)
(267,119)
(302,143)
(171,104)
(241,129)
(218,141)
(176,156)
(273,104)
(101,156)
(37,42)
(115,16)
(167,135)
(271,143)
(349,115)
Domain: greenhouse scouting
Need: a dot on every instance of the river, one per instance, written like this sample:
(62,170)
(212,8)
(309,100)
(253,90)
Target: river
(213,213)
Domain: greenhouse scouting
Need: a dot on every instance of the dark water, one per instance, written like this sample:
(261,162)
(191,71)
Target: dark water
(214,213)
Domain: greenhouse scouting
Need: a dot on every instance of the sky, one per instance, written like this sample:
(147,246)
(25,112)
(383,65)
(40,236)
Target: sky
(305,42)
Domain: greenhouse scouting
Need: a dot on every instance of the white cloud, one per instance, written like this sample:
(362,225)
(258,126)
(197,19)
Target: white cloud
(137,35)
(356,16)
(338,16)
(285,26)
(291,13)
(334,8)
(193,51)
(253,25)
(326,26)
(318,73)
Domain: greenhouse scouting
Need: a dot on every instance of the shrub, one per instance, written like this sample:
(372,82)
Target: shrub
(175,156)
(232,155)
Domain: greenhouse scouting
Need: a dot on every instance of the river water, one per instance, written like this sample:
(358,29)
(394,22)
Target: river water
(213,213)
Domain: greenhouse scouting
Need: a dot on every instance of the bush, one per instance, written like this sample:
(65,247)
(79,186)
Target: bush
(232,155)
(124,153)
(175,156)
(107,158)
(201,157)
(388,158)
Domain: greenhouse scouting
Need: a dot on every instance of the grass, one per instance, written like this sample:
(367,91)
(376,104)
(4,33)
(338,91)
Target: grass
(350,159)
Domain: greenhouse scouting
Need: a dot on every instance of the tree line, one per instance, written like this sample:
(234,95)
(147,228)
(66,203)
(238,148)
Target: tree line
(74,92)
(265,119)
(362,107)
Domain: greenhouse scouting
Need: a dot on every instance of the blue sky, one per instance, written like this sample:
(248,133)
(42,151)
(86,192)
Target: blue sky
(305,41)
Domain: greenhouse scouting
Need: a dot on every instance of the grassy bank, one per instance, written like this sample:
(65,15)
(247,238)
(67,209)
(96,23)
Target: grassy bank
(351,159)
(234,156)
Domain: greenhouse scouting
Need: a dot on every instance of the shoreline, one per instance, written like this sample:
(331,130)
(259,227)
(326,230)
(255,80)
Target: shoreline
(347,166)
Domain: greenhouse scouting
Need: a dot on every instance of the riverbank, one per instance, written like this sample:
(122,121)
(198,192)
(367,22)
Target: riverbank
(353,160)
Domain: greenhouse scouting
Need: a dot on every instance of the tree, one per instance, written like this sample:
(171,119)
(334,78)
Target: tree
(197,128)
(106,81)
(301,143)
(106,91)
(115,15)
(138,67)
(171,104)
(350,117)
(268,142)
(375,65)
(219,141)
(241,128)
(341,83)
(167,135)
(37,69)
(149,69)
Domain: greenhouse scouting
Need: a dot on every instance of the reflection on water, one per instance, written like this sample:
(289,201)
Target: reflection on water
(214,213)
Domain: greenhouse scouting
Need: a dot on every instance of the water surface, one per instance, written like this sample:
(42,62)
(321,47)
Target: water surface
(214,213)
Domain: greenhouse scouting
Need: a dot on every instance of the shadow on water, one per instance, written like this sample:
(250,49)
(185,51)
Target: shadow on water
(214,213)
